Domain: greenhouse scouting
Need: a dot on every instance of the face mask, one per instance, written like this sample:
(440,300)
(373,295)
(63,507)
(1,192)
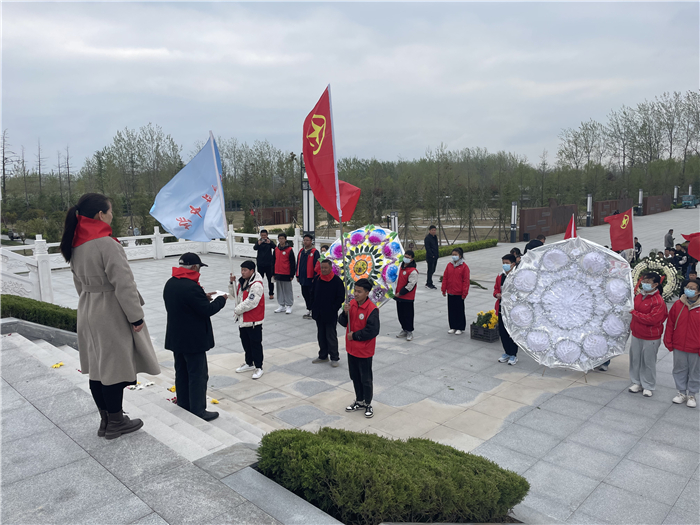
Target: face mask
(506,267)
(646,287)
(455,258)
(689,293)
(407,260)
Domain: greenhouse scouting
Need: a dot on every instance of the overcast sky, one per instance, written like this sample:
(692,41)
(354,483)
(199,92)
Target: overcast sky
(404,76)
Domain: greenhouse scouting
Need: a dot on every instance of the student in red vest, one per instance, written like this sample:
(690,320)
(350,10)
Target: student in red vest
(455,285)
(510,347)
(250,313)
(306,273)
(361,317)
(285,266)
(317,268)
(406,294)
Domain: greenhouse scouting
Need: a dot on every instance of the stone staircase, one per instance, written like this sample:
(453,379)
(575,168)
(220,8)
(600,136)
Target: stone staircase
(183,432)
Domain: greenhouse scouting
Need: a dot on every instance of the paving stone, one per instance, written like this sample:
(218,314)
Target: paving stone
(301,415)
(480,382)
(187,494)
(151,519)
(23,422)
(638,404)
(620,506)
(228,460)
(571,407)
(554,509)
(310,387)
(60,495)
(525,440)
(67,405)
(665,457)
(245,514)
(129,509)
(40,387)
(581,518)
(649,482)
(681,437)
(83,430)
(267,396)
(423,384)
(550,422)
(386,377)
(603,438)
(594,394)
(688,500)
(37,453)
(221,381)
(472,364)
(504,457)
(397,396)
(681,517)
(455,395)
(680,415)
(273,499)
(23,370)
(592,463)
(622,421)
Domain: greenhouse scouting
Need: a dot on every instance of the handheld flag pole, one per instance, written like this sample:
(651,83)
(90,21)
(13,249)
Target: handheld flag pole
(337,192)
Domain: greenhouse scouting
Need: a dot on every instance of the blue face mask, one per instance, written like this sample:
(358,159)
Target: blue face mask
(506,267)
(646,287)
(689,293)
(455,258)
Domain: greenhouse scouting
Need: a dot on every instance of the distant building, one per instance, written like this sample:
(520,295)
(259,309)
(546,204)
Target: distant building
(276,215)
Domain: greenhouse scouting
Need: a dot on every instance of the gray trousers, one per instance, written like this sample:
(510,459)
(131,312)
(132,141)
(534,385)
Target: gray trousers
(285,295)
(686,372)
(643,362)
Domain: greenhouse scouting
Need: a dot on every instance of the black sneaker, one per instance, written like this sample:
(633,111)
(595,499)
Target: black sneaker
(431,286)
(357,405)
(368,411)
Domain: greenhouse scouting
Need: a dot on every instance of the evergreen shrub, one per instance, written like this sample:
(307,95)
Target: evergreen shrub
(39,312)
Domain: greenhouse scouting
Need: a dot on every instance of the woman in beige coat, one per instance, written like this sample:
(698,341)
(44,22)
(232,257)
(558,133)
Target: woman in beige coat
(113,340)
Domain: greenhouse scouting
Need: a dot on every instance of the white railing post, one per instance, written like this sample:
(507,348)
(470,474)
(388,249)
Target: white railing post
(204,247)
(43,266)
(158,243)
(297,239)
(337,234)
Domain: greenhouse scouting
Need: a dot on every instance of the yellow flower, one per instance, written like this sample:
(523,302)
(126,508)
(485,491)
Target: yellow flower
(214,401)
(57,365)
(172,388)
(485,326)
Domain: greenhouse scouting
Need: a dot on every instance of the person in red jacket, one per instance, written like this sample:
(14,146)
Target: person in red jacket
(406,286)
(647,326)
(361,317)
(681,338)
(510,347)
(455,285)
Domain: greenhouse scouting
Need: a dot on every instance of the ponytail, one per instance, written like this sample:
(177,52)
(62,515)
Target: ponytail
(89,205)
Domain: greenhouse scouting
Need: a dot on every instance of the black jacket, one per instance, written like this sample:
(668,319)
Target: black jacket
(534,243)
(188,329)
(371,329)
(302,267)
(266,254)
(431,247)
(328,298)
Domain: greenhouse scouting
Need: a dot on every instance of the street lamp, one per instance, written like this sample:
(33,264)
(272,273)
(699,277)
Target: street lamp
(394,221)
(589,210)
(307,202)
(675,195)
(513,220)
(690,189)
(641,202)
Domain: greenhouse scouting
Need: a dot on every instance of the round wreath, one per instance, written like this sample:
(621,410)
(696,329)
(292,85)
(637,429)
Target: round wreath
(672,277)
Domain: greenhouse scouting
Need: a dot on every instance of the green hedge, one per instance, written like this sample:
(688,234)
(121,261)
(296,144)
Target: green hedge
(38,312)
(467,247)
(367,479)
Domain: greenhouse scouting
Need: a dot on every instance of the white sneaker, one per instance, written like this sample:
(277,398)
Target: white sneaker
(308,315)
(691,402)
(258,373)
(279,310)
(401,334)
(289,309)
(244,368)
(647,393)
(409,336)
(451,331)
(680,398)
(458,332)
(635,388)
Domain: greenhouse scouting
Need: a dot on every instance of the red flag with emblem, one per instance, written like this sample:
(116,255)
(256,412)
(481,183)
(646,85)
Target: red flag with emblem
(621,234)
(571,228)
(335,196)
(693,245)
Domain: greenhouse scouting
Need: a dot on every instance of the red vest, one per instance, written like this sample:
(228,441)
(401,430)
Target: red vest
(282,260)
(357,319)
(403,281)
(309,263)
(257,314)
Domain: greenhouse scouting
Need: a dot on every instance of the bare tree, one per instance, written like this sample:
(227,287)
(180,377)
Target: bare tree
(68,157)
(543,168)
(60,180)
(7,157)
(669,108)
(619,135)
(39,160)
(23,171)
(570,151)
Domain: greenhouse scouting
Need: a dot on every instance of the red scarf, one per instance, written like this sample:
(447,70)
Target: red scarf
(327,277)
(89,229)
(184,273)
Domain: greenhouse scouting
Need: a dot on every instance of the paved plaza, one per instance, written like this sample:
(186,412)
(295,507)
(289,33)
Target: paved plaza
(593,452)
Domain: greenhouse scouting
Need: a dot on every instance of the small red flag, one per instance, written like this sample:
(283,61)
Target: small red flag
(335,196)
(571,229)
(693,245)
(621,234)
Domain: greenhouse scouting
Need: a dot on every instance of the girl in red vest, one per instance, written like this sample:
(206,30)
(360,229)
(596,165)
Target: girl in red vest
(455,285)
(406,294)
(681,338)
(361,318)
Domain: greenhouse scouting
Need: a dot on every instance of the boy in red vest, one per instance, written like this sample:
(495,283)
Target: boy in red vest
(361,317)
(406,294)
(250,313)
(285,266)
(306,272)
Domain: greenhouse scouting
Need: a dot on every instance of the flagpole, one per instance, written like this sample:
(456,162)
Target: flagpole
(221,201)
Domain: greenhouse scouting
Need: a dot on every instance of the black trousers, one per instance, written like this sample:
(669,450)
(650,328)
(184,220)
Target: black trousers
(307,292)
(455,312)
(268,271)
(406,314)
(509,346)
(327,339)
(432,264)
(251,339)
(109,397)
(191,376)
(361,375)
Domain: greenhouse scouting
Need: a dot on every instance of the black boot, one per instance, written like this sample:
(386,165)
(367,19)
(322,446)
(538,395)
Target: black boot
(209,416)
(103,423)
(119,423)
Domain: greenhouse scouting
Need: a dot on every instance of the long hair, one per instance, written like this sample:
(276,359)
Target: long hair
(89,205)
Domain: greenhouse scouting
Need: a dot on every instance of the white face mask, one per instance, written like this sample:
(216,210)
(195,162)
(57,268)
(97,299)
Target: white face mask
(407,260)
(455,258)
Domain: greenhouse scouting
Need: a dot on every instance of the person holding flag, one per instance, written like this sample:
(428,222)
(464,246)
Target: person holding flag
(250,312)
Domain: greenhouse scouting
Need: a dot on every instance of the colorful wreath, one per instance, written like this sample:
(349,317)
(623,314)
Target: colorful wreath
(370,253)
(670,275)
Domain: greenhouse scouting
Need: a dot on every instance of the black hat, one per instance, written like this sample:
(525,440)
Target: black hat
(189,259)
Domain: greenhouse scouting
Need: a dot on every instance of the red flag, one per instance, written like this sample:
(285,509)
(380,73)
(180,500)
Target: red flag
(621,235)
(335,196)
(571,229)
(693,245)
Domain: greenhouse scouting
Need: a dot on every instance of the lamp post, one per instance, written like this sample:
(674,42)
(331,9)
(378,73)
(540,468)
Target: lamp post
(690,189)
(307,202)
(589,210)
(641,202)
(394,221)
(675,195)
(513,220)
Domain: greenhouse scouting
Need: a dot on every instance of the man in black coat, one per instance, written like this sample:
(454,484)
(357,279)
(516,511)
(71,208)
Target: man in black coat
(266,259)
(431,254)
(189,333)
(535,243)
(329,294)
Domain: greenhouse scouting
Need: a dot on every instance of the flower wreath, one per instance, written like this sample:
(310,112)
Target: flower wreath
(671,277)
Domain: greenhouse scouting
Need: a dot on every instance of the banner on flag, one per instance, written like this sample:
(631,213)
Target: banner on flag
(621,234)
(335,196)
(191,205)
(571,228)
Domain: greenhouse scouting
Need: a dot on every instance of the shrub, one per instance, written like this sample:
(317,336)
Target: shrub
(38,312)
(467,247)
(367,479)
(5,231)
